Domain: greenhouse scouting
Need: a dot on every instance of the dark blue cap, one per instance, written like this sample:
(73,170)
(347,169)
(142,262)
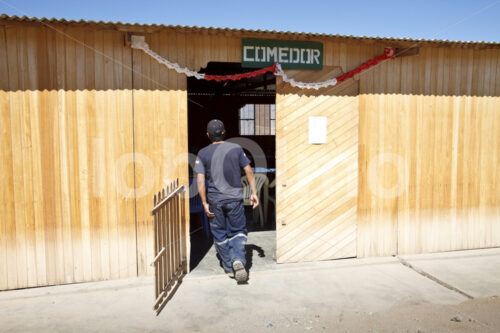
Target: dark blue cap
(215,129)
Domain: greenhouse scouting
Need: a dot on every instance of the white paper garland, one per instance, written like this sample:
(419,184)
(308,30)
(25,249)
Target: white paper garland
(138,42)
(304,85)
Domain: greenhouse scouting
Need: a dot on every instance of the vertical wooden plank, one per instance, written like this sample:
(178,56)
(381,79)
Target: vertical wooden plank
(403,202)
(234,45)
(56,52)
(192,44)
(167,234)
(343,57)
(123,145)
(173,223)
(461,115)
(390,175)
(46,137)
(6,193)
(486,157)
(72,150)
(8,118)
(163,242)
(101,154)
(172,54)
(7,223)
(182,236)
(171,226)
(93,158)
(112,154)
(206,55)
(129,130)
(496,179)
(158,75)
(170,238)
(406,217)
(439,70)
(487,173)
(26,152)
(419,148)
(479,113)
(63,164)
(155,227)
(34,38)
(16,107)
(455,92)
(83,109)
(177,229)
(159,238)
(463,143)
(181,59)
(141,234)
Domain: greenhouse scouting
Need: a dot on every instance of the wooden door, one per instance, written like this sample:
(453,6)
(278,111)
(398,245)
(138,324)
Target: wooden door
(317,185)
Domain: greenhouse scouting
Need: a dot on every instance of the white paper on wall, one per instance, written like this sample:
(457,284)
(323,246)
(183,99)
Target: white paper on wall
(317,130)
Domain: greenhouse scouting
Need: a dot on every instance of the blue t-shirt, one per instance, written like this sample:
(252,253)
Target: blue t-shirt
(221,163)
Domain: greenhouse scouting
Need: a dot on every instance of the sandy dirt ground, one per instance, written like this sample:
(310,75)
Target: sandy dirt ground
(477,315)
(458,293)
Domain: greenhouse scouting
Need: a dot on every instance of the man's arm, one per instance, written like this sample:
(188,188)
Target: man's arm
(200,179)
(251,180)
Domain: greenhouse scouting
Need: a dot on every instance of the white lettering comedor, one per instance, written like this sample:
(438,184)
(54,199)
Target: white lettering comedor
(295,60)
(283,54)
(302,60)
(272,52)
(316,54)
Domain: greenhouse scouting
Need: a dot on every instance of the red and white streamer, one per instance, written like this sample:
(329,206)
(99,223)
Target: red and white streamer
(138,42)
(235,77)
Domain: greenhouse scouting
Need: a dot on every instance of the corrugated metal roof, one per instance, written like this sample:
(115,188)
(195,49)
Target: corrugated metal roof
(269,32)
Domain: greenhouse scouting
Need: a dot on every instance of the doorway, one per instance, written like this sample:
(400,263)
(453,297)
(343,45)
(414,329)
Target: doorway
(247,108)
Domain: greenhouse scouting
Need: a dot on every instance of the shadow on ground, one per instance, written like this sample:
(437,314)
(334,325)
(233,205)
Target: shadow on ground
(262,244)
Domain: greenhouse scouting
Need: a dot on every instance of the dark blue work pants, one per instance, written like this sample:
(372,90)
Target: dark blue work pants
(229,230)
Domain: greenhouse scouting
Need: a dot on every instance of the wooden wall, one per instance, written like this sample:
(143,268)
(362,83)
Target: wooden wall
(66,118)
(85,141)
(430,126)
(90,129)
(428,153)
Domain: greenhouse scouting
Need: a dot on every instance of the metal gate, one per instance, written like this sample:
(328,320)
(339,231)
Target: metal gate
(169,225)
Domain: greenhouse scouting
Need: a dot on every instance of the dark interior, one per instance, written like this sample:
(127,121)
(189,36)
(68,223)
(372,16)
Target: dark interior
(222,100)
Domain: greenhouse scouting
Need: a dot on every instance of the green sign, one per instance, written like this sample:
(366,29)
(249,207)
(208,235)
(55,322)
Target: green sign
(258,53)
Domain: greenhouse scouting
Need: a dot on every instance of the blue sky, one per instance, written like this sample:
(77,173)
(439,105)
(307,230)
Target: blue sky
(476,20)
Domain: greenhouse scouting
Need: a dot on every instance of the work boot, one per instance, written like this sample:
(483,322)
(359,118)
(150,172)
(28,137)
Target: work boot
(240,273)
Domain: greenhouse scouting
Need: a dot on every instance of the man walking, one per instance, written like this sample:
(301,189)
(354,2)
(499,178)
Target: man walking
(220,165)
